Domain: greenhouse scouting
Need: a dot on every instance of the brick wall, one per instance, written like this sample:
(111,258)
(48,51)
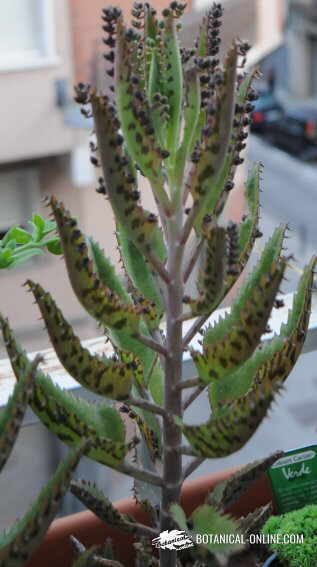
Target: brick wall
(87,33)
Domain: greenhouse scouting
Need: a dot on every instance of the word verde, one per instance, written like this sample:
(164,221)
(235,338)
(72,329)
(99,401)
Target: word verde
(290,474)
(294,479)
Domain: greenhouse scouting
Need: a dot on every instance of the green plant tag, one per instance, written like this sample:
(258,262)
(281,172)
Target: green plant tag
(294,479)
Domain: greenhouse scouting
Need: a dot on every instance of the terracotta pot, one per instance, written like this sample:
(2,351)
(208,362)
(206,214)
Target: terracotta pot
(56,549)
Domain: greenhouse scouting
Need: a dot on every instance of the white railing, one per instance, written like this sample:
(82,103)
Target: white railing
(53,367)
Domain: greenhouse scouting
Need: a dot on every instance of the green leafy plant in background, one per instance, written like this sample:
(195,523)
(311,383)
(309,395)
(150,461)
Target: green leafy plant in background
(179,118)
(300,523)
(19,245)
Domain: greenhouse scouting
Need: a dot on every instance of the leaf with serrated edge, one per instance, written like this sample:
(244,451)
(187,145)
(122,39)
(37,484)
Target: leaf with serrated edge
(207,520)
(253,522)
(226,493)
(217,195)
(121,186)
(141,146)
(247,229)
(174,82)
(18,544)
(12,416)
(276,359)
(96,298)
(233,339)
(70,418)
(191,121)
(106,272)
(223,435)
(96,501)
(213,269)
(240,339)
(203,174)
(106,377)
(139,271)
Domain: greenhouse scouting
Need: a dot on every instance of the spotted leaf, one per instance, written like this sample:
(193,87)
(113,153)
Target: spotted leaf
(233,339)
(96,501)
(68,417)
(204,173)
(275,359)
(213,269)
(226,493)
(173,81)
(19,543)
(96,298)
(106,377)
(134,116)
(140,225)
(12,416)
(223,435)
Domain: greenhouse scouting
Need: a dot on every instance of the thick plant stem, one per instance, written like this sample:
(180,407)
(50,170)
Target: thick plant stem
(172,436)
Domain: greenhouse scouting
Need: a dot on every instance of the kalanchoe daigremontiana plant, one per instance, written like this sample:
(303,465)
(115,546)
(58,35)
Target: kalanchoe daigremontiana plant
(179,118)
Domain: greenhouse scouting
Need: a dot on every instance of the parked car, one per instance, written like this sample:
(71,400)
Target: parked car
(296,132)
(267,110)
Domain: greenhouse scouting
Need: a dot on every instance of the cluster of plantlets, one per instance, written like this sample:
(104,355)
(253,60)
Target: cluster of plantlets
(179,118)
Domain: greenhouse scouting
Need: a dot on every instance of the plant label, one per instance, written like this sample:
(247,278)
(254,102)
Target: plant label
(294,479)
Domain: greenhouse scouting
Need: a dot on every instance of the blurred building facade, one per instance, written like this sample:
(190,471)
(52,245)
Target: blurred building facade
(301,43)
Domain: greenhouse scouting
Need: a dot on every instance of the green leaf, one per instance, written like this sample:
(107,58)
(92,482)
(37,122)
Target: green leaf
(191,121)
(275,359)
(179,516)
(234,339)
(6,258)
(174,82)
(68,417)
(22,256)
(120,182)
(12,416)
(143,491)
(223,435)
(39,225)
(140,144)
(20,542)
(106,377)
(217,197)
(95,297)
(96,501)
(107,273)
(20,235)
(226,493)
(213,269)
(139,271)
(207,520)
(203,175)
(54,246)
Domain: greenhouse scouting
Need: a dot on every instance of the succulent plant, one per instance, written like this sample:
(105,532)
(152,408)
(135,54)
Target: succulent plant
(178,118)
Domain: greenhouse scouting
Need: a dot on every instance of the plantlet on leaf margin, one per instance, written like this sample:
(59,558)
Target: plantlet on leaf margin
(179,118)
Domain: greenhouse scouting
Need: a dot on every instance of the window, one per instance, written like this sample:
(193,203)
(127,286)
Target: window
(19,196)
(26,33)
